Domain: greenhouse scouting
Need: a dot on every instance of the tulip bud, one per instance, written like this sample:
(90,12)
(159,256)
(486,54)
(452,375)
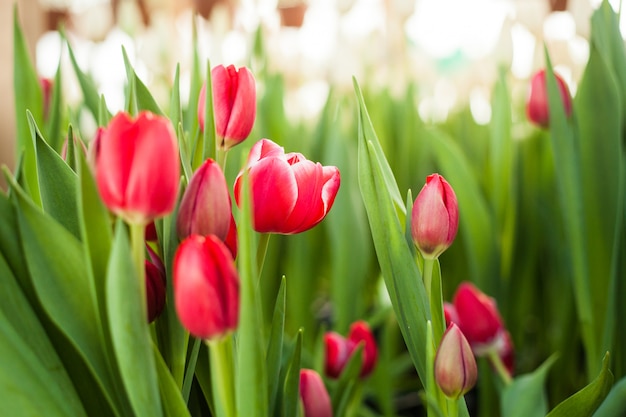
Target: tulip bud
(231,237)
(313,394)
(537,106)
(155,290)
(339,349)
(479,318)
(234,104)
(206,287)
(290,194)
(137,167)
(150,235)
(205,208)
(455,365)
(435,217)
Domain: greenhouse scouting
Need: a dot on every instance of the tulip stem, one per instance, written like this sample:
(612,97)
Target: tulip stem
(137,242)
(220,157)
(453,407)
(191,369)
(433,292)
(261,252)
(222,372)
(498,365)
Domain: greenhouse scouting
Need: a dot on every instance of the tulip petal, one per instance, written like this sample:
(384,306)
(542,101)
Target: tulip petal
(243,110)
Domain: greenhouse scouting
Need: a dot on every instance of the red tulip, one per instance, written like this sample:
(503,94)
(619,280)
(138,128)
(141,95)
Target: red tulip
(339,349)
(314,396)
(155,290)
(450,314)
(479,318)
(537,106)
(231,237)
(137,167)
(290,194)
(455,365)
(234,104)
(205,208)
(435,217)
(206,287)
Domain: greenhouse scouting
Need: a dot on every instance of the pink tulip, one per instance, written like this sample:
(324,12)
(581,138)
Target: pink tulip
(455,365)
(314,396)
(205,207)
(339,350)
(450,314)
(290,194)
(537,106)
(435,217)
(206,287)
(234,104)
(46,92)
(479,318)
(137,167)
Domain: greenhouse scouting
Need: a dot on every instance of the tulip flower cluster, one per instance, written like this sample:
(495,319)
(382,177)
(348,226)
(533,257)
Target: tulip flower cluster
(340,349)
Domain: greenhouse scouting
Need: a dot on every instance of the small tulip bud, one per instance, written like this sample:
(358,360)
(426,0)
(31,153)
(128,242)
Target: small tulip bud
(234,104)
(205,208)
(155,290)
(479,318)
(290,194)
(537,106)
(435,217)
(455,365)
(46,92)
(314,396)
(206,287)
(340,349)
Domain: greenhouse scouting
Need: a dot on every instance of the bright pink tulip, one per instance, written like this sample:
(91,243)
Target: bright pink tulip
(435,217)
(537,106)
(155,290)
(450,314)
(234,104)
(205,208)
(137,167)
(206,287)
(314,396)
(455,365)
(339,349)
(479,318)
(290,194)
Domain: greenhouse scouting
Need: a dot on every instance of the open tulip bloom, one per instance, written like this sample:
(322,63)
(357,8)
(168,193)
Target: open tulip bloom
(132,285)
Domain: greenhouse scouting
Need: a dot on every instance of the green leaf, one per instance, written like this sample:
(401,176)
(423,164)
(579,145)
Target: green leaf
(587,400)
(129,329)
(10,245)
(34,347)
(251,380)
(291,394)
(57,269)
(58,184)
(275,348)
(614,405)
(347,382)
(171,398)
(53,122)
(28,97)
(142,98)
(88,88)
(526,395)
(208,134)
(176,115)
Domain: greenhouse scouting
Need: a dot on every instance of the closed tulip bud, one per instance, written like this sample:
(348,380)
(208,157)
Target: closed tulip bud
(206,287)
(455,365)
(479,318)
(137,167)
(155,290)
(314,396)
(290,194)
(205,208)
(435,217)
(537,106)
(150,235)
(340,349)
(234,104)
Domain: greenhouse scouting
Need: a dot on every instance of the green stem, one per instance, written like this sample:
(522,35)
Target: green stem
(433,292)
(220,157)
(222,373)
(453,408)
(261,252)
(191,369)
(137,243)
(498,365)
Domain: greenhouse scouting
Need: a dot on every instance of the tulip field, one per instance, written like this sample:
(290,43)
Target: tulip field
(208,255)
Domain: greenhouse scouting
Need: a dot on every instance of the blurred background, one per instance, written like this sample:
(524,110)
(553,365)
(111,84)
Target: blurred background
(452,47)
